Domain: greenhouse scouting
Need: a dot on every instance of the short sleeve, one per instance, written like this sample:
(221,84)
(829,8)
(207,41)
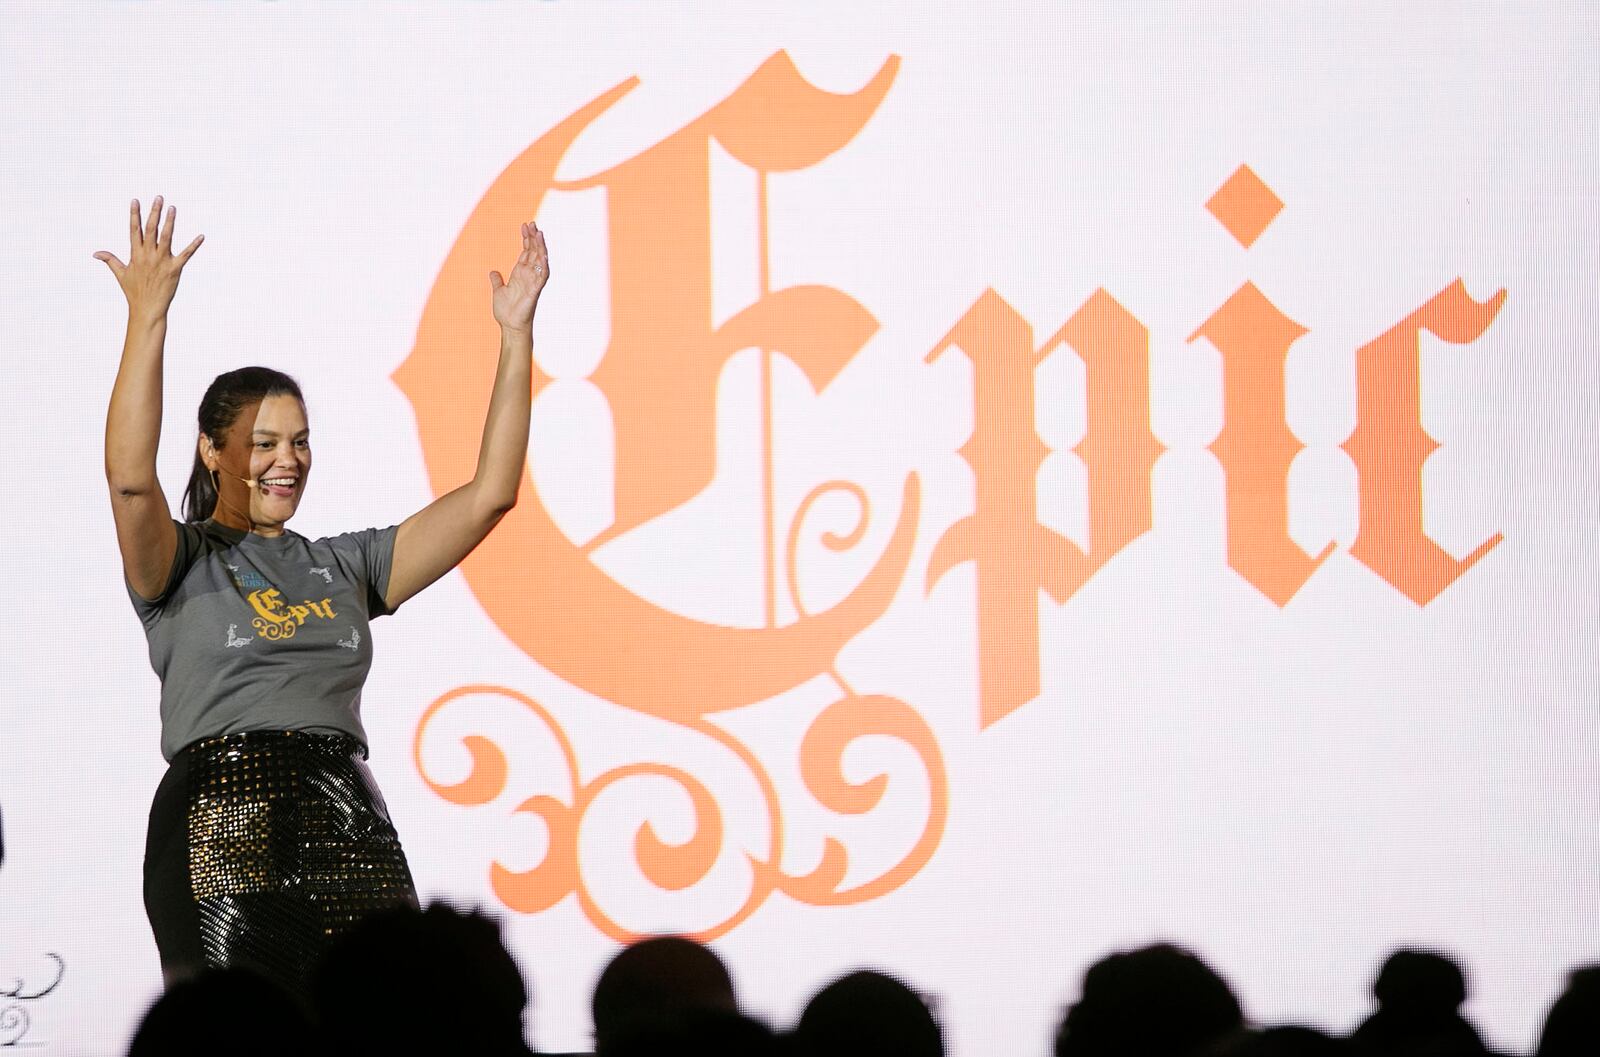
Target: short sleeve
(191,545)
(375,548)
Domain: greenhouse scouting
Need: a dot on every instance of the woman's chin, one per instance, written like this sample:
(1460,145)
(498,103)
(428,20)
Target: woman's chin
(274,511)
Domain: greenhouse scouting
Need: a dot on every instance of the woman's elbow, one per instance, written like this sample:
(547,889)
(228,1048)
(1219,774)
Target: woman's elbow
(498,506)
(133,486)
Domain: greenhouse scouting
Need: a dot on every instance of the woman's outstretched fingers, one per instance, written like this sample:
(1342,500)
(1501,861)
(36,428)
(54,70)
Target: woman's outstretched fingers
(164,234)
(516,293)
(152,222)
(112,262)
(150,277)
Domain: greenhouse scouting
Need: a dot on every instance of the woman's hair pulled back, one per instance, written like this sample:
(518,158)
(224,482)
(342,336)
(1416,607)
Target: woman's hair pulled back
(227,396)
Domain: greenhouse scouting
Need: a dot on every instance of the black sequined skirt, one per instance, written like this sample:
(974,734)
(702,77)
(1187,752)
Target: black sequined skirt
(265,846)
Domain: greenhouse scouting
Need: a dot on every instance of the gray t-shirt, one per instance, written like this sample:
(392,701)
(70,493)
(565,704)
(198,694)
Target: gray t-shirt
(264,633)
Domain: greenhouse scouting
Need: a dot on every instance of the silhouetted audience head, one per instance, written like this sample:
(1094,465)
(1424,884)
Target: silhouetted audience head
(867,1013)
(1159,1001)
(441,981)
(699,1033)
(232,1011)
(655,983)
(1419,997)
(1286,1041)
(1572,1027)
(430,981)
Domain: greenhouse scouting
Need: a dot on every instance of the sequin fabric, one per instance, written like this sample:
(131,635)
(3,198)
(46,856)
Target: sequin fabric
(289,845)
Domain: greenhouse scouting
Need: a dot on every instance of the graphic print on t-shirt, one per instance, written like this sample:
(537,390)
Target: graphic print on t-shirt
(276,619)
(244,579)
(264,633)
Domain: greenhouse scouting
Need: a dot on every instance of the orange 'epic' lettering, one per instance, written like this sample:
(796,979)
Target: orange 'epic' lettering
(1014,555)
(1389,445)
(659,374)
(1255,446)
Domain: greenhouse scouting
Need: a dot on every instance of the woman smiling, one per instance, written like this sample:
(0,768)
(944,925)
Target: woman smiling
(268,837)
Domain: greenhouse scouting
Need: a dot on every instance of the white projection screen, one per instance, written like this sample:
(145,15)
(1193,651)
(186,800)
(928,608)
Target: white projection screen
(1008,482)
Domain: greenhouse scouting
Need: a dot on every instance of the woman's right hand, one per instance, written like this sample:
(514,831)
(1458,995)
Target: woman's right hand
(150,277)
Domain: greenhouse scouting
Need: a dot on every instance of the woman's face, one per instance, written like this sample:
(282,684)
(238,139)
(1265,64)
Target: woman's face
(263,466)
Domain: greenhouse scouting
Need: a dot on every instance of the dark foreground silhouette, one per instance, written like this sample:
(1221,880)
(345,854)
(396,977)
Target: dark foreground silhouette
(867,1014)
(232,1011)
(441,982)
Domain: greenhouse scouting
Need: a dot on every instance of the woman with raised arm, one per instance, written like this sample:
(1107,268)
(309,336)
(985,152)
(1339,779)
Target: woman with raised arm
(267,836)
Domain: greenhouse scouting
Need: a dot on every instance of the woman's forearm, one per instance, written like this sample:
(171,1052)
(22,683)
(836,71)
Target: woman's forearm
(438,537)
(145,532)
(504,448)
(148,281)
(133,421)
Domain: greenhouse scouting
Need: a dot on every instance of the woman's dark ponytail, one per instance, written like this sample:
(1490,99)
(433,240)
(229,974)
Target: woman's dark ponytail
(200,497)
(227,396)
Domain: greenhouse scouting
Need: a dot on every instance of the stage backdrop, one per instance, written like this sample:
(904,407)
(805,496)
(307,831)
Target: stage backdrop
(1007,481)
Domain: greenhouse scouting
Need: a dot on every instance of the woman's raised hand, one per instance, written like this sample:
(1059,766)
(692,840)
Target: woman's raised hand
(516,298)
(150,277)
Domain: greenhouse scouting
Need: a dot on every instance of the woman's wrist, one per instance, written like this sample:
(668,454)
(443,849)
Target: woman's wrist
(141,318)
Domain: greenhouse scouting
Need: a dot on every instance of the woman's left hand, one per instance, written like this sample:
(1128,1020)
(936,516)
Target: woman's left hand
(436,538)
(516,298)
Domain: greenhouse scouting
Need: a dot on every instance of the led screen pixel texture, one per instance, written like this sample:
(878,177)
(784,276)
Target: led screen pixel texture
(1007,482)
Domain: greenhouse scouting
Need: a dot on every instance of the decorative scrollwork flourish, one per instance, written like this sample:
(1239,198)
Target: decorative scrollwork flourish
(680,866)
(19,989)
(14,1019)
(13,1025)
(832,540)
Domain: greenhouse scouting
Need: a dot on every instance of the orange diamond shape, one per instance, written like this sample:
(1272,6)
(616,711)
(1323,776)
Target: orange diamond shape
(1245,205)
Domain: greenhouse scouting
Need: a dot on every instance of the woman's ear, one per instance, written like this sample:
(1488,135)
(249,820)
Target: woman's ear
(208,452)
